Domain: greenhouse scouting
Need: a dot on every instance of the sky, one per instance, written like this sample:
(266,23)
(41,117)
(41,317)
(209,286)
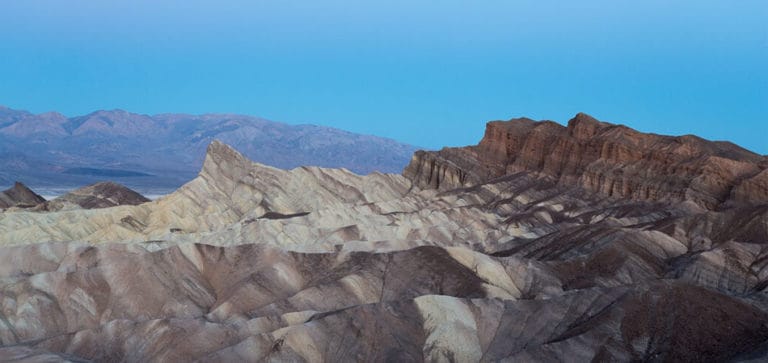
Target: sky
(426,73)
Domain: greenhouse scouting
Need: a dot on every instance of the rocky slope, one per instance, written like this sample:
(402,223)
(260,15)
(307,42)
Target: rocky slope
(611,159)
(99,195)
(252,302)
(252,263)
(164,151)
(19,196)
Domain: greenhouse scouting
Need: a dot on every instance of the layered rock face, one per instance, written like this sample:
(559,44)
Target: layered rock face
(252,263)
(613,160)
(254,303)
(19,196)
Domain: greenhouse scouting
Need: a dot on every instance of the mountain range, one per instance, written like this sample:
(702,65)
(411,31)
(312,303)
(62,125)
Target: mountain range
(162,152)
(585,242)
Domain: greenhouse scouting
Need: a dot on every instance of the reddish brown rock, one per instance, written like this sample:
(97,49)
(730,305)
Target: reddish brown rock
(613,160)
(752,189)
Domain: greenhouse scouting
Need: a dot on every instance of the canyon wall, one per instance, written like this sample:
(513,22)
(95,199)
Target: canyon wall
(609,159)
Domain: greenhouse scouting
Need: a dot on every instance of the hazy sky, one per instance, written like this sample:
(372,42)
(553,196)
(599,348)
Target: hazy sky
(430,73)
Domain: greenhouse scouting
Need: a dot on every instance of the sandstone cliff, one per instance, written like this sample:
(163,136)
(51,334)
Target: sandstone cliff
(613,160)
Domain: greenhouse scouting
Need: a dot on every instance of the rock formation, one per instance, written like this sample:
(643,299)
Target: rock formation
(498,252)
(19,196)
(99,195)
(613,160)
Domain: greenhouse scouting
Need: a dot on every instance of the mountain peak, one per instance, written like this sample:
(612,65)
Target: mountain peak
(19,196)
(220,152)
(224,164)
(99,195)
(119,139)
(584,126)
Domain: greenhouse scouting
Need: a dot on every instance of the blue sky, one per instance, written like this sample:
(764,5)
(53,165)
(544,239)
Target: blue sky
(427,73)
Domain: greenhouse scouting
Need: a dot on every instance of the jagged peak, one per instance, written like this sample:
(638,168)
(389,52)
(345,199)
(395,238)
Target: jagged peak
(584,126)
(99,195)
(601,157)
(585,117)
(19,195)
(19,187)
(218,150)
(223,160)
(105,185)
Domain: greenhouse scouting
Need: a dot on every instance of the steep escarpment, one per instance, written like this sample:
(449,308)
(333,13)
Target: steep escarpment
(19,196)
(612,160)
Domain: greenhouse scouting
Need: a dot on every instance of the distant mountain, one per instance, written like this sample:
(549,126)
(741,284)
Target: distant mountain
(164,151)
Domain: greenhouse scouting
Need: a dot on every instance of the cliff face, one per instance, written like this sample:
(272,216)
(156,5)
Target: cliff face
(613,160)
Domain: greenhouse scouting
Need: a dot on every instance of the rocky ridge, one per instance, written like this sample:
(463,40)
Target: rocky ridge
(613,160)
(164,151)
(250,262)
(99,195)
(19,196)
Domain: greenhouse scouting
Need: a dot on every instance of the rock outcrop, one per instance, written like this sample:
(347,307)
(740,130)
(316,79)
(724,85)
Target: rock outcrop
(252,263)
(613,160)
(19,196)
(99,195)
(229,189)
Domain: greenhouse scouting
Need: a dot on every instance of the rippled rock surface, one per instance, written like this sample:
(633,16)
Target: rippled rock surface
(500,252)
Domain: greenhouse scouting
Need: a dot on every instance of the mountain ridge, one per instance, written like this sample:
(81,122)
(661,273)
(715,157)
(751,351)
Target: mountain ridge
(248,262)
(37,148)
(19,196)
(99,195)
(608,158)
